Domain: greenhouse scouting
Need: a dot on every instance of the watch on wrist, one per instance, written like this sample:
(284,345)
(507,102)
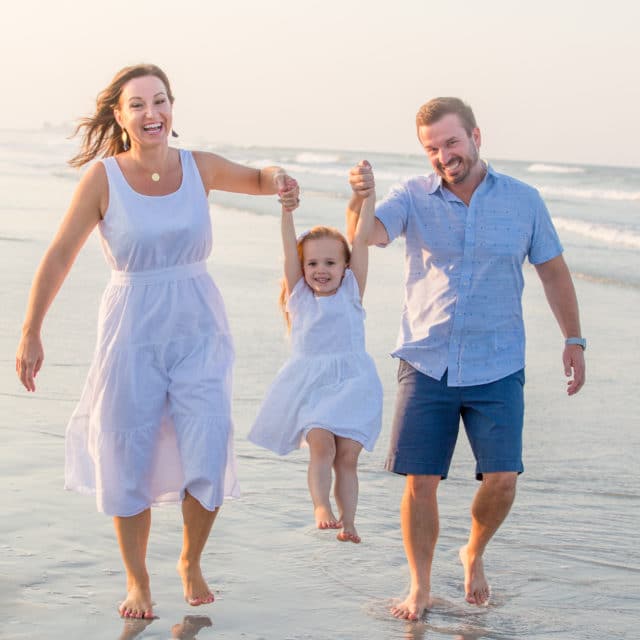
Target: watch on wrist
(579,341)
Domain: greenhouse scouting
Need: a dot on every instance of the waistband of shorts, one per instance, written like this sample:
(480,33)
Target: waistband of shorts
(152,276)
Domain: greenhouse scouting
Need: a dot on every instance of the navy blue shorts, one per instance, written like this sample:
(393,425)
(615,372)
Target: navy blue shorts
(427,418)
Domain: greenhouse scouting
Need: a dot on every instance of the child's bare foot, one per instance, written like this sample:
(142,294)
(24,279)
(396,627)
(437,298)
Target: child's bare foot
(476,587)
(413,606)
(196,589)
(138,603)
(348,534)
(325,518)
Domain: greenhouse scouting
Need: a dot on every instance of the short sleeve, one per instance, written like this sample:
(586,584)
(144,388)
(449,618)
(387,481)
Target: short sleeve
(545,243)
(297,296)
(393,211)
(350,286)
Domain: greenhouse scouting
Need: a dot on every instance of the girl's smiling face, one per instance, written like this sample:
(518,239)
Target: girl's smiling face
(323,265)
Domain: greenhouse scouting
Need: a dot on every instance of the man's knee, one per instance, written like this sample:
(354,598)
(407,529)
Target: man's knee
(501,483)
(422,487)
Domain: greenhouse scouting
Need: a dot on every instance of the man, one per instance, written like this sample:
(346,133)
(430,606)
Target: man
(461,346)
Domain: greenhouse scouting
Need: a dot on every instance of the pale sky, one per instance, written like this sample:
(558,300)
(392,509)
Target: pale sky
(549,80)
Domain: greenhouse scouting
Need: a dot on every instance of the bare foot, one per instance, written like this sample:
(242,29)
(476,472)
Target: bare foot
(348,534)
(325,518)
(476,587)
(413,606)
(138,603)
(196,589)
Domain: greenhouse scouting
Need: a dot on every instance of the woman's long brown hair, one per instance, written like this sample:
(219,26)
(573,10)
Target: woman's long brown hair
(101,134)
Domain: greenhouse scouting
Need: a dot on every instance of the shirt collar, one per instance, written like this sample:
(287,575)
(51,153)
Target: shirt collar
(434,182)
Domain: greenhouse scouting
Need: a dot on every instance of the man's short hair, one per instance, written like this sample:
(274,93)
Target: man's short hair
(432,111)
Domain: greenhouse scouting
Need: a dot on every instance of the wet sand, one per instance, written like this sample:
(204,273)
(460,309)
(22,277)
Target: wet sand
(563,566)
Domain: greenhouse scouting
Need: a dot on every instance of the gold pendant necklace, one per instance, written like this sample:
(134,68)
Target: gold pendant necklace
(155,177)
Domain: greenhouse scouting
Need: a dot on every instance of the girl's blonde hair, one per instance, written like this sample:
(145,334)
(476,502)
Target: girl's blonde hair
(313,234)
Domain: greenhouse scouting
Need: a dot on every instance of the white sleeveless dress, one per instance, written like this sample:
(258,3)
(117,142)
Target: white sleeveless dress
(154,418)
(330,381)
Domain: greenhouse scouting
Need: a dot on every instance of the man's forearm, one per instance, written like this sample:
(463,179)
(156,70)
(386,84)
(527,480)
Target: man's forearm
(561,295)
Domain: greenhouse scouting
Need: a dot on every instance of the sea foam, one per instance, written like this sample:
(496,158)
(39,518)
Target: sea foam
(604,233)
(539,167)
(590,193)
(308,157)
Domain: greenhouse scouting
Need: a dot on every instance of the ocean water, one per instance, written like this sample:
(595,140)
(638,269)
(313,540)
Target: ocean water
(596,209)
(566,563)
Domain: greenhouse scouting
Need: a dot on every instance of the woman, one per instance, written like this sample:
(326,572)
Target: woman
(153,424)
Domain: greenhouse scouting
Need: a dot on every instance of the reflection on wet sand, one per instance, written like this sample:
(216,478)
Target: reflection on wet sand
(186,630)
(133,627)
(189,627)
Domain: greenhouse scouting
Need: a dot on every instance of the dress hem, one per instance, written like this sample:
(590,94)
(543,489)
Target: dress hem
(160,502)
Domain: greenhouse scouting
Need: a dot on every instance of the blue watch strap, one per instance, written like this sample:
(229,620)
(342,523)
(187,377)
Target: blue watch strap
(579,341)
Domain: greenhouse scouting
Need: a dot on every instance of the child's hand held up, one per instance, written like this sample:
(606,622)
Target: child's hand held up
(288,192)
(361,179)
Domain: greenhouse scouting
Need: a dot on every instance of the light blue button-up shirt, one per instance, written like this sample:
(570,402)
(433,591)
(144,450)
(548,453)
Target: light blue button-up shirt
(463,273)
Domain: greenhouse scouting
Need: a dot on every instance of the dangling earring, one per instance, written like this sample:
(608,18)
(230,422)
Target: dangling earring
(125,140)
(174,134)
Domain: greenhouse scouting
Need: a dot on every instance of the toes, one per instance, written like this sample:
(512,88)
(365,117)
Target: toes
(478,597)
(403,614)
(197,601)
(131,612)
(345,536)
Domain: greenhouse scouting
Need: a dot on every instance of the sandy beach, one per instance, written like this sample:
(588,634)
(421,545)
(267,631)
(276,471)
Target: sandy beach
(565,564)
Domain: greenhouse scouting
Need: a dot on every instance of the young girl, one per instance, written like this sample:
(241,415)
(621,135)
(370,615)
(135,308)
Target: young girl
(328,393)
